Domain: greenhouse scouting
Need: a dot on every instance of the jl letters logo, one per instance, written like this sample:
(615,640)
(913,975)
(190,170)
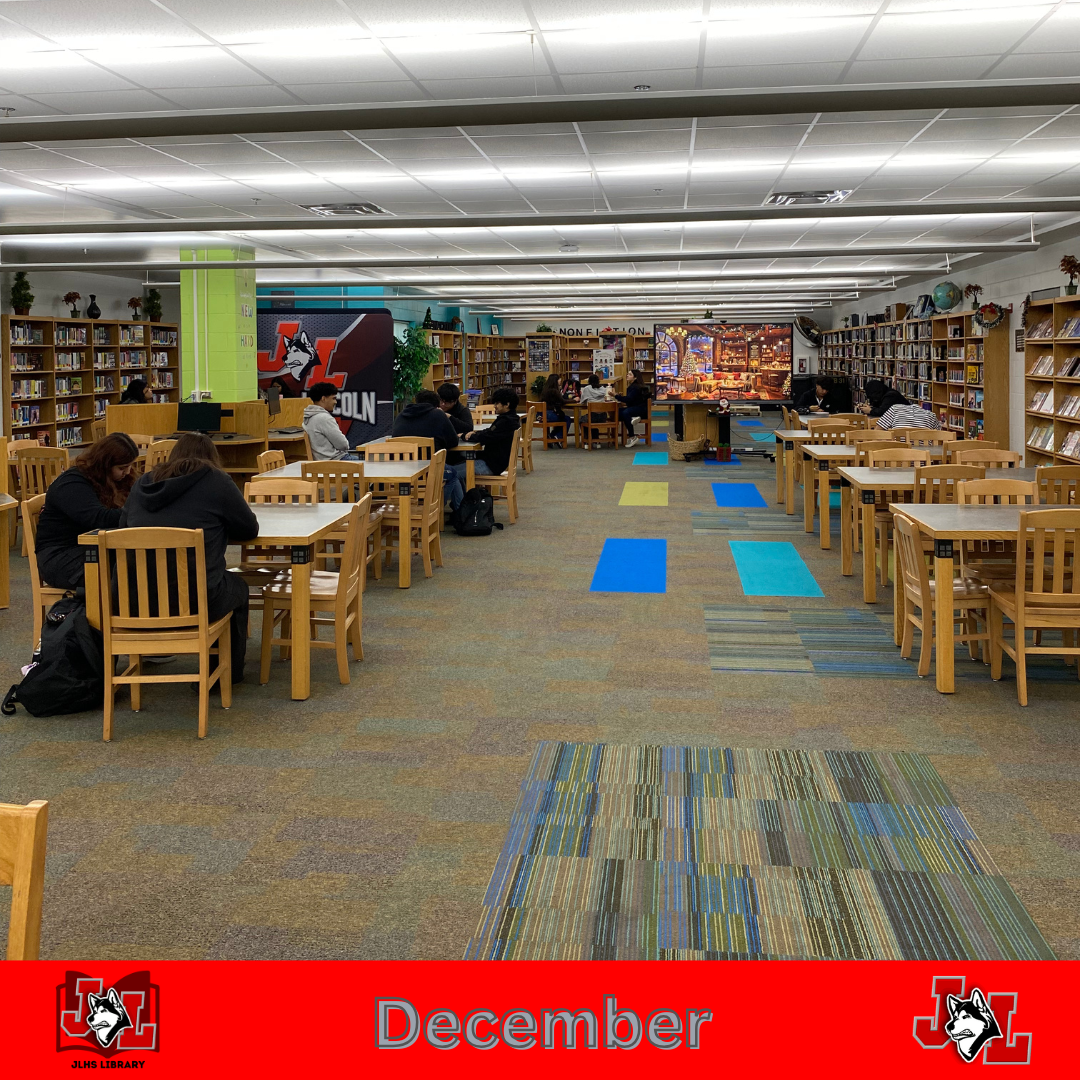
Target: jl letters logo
(972,1025)
(104,1019)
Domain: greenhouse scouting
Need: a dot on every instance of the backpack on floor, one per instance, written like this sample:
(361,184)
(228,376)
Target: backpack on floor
(68,674)
(476,514)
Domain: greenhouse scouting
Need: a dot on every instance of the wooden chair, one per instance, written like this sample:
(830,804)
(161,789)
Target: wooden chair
(271,459)
(37,467)
(525,442)
(792,420)
(504,486)
(13,446)
(343,481)
(919,594)
(992,490)
(993,560)
(898,456)
(424,445)
(157,453)
(338,593)
(867,447)
(602,424)
(23,832)
(483,414)
(920,436)
(645,421)
(97,430)
(962,446)
(140,440)
(1059,485)
(136,629)
(862,435)
(281,490)
(543,428)
(1049,600)
(895,456)
(988,459)
(937,483)
(425,517)
(828,424)
(43,596)
(859,421)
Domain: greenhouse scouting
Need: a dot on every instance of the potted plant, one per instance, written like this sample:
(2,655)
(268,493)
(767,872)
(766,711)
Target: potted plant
(135,303)
(152,306)
(1070,265)
(543,328)
(22,299)
(413,357)
(71,299)
(972,293)
(537,387)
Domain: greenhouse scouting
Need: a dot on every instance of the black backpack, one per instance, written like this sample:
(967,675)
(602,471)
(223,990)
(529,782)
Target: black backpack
(68,675)
(476,514)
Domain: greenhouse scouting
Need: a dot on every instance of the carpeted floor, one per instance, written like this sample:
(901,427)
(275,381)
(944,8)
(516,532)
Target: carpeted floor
(367,821)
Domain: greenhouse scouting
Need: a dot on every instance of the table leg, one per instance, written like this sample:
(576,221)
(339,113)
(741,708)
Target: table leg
(404,536)
(470,469)
(869,571)
(943,610)
(779,455)
(847,533)
(302,558)
(5,569)
(897,600)
(92,585)
(809,493)
(789,477)
(825,508)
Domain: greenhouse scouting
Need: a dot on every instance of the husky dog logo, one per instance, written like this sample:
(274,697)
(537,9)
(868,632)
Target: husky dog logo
(300,356)
(106,1015)
(972,1024)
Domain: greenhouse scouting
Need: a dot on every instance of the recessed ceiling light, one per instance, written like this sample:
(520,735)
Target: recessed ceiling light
(806,198)
(344,209)
(643,86)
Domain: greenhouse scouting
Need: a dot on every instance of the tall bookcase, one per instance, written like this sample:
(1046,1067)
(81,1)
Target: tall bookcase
(1052,382)
(642,355)
(478,362)
(946,363)
(60,374)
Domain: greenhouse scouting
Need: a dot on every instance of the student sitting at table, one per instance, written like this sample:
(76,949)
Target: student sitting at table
(636,406)
(594,392)
(818,400)
(909,416)
(90,495)
(137,393)
(450,402)
(328,442)
(191,491)
(555,404)
(425,419)
(498,440)
(880,398)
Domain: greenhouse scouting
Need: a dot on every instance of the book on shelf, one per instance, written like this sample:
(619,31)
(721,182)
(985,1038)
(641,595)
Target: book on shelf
(104,360)
(25,334)
(1070,445)
(1042,437)
(25,415)
(1070,368)
(101,335)
(975,428)
(168,337)
(974,399)
(956,398)
(1042,329)
(69,361)
(1043,366)
(25,389)
(974,373)
(69,335)
(1071,327)
(131,335)
(68,385)
(1070,407)
(25,361)
(1042,402)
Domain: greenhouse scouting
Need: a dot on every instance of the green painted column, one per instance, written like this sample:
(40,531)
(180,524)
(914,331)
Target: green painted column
(217,326)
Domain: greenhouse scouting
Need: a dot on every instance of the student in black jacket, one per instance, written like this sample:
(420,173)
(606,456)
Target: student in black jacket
(90,495)
(191,491)
(450,402)
(636,401)
(818,400)
(425,419)
(556,404)
(880,398)
(498,440)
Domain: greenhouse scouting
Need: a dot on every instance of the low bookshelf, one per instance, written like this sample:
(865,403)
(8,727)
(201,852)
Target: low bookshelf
(59,375)
(1052,382)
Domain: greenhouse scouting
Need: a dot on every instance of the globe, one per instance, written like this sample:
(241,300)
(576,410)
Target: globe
(946,295)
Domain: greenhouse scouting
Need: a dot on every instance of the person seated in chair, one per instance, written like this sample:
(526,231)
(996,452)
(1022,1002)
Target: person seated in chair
(498,440)
(818,400)
(450,402)
(425,419)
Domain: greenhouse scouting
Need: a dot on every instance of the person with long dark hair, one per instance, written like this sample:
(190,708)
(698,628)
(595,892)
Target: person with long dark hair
(556,404)
(90,495)
(283,390)
(636,405)
(137,393)
(880,398)
(191,491)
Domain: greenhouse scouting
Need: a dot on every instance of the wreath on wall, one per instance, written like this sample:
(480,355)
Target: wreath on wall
(989,315)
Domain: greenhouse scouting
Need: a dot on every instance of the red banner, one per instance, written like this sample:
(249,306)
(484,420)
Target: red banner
(276,1019)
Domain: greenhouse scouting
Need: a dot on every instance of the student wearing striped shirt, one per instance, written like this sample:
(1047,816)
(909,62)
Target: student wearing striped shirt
(908,416)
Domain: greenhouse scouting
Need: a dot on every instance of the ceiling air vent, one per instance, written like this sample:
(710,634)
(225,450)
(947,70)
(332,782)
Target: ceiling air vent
(805,198)
(345,209)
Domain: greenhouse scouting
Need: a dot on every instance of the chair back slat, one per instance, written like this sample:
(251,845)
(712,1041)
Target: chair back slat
(1059,485)
(271,459)
(988,459)
(937,483)
(913,569)
(23,833)
(353,557)
(161,564)
(861,435)
(856,420)
(1051,535)
(898,457)
(962,446)
(157,453)
(38,467)
(869,446)
(396,451)
(337,481)
(991,490)
(426,446)
(281,491)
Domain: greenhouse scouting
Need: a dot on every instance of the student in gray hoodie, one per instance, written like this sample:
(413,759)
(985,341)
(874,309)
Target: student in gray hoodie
(326,438)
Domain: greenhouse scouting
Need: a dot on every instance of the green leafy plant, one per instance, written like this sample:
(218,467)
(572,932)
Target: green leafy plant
(413,357)
(543,328)
(22,299)
(152,306)
(428,324)
(537,387)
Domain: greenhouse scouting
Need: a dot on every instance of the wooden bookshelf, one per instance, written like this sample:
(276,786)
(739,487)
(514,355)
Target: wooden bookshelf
(495,360)
(451,368)
(59,375)
(946,363)
(642,354)
(1052,382)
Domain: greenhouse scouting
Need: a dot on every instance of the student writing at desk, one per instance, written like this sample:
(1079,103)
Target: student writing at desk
(498,440)
(818,400)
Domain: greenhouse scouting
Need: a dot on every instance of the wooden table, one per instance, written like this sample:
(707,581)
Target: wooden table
(402,473)
(786,440)
(299,526)
(946,524)
(289,443)
(8,504)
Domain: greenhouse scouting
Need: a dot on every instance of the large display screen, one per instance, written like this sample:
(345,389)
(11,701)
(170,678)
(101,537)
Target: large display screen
(713,360)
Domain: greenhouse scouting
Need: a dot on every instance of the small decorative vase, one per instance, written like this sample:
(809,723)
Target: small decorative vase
(74,312)
(92,309)
(1070,289)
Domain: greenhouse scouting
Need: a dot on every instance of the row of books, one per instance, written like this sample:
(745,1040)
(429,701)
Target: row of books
(67,410)
(25,415)
(1070,445)
(24,389)
(159,359)
(69,436)
(68,385)
(69,335)
(1070,368)
(1070,407)
(129,335)
(1042,329)
(27,334)
(1071,327)
(1042,438)
(162,380)
(104,360)
(69,361)
(162,337)
(24,361)
(1042,402)
(1044,365)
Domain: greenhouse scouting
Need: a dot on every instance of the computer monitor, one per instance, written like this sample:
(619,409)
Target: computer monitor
(273,400)
(202,416)
(472,398)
